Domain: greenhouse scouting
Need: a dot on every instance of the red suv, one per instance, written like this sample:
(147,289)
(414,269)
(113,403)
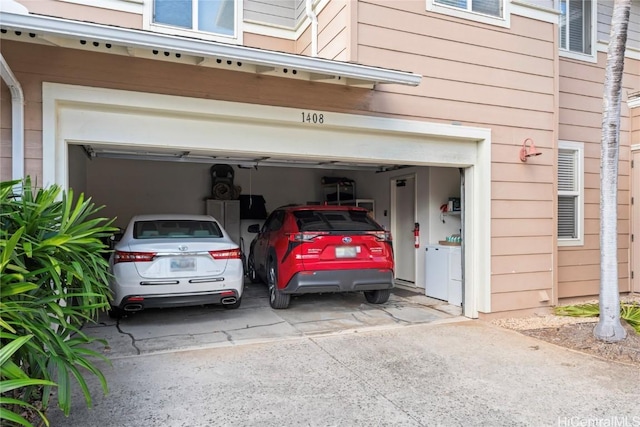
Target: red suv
(316,249)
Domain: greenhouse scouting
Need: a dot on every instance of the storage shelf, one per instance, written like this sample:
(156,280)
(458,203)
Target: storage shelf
(455,214)
(339,192)
(368,204)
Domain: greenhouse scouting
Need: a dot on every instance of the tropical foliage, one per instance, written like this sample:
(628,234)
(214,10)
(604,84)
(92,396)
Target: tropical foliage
(630,312)
(53,278)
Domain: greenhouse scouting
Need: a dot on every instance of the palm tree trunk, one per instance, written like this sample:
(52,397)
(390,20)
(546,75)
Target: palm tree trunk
(609,328)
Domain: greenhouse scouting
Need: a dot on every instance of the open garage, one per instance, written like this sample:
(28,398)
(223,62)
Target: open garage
(144,153)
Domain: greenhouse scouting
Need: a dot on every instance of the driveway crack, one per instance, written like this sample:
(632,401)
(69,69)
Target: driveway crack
(396,319)
(225,332)
(133,339)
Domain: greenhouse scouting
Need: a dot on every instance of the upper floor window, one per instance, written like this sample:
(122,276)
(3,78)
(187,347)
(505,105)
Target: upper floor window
(210,16)
(486,7)
(577,26)
(570,193)
(492,12)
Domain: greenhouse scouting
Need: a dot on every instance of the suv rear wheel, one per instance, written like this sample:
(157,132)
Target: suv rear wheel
(277,299)
(379,296)
(251,270)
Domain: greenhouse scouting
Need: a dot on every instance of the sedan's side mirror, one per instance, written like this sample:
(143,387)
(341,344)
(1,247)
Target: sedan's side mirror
(254,228)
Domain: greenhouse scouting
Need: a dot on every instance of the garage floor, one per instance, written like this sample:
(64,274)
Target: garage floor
(162,330)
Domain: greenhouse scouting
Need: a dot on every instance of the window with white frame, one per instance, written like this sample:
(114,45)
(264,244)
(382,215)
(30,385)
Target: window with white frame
(485,7)
(577,26)
(209,16)
(570,193)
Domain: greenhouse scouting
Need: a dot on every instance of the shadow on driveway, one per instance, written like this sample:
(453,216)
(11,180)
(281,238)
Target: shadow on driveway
(162,330)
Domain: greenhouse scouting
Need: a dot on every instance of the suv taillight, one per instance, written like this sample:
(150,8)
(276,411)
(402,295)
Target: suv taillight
(383,236)
(226,254)
(121,256)
(306,236)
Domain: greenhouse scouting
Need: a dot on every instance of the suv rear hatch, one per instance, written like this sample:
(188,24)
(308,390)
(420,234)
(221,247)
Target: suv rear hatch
(340,239)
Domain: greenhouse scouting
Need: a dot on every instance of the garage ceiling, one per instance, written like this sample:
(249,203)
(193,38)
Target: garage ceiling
(173,155)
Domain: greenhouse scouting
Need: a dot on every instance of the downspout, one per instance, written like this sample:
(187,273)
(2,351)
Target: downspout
(314,27)
(17,120)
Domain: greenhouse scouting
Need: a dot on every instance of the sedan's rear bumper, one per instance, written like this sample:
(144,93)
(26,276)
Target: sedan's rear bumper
(140,302)
(314,282)
(172,292)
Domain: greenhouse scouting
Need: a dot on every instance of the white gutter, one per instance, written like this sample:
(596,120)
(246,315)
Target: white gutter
(47,25)
(314,28)
(17,120)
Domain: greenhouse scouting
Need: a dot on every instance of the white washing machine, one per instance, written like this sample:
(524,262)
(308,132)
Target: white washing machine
(443,273)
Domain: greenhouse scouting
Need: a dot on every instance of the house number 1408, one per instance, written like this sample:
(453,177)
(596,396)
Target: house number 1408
(312,118)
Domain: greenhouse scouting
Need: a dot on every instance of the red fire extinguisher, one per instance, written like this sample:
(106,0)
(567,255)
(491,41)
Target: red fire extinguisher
(416,235)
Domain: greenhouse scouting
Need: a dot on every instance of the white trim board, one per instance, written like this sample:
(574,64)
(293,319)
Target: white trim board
(85,115)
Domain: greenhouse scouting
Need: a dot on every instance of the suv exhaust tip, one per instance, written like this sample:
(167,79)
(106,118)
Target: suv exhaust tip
(228,300)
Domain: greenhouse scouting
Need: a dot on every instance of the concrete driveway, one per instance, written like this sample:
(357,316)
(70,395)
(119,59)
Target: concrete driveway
(440,373)
(162,330)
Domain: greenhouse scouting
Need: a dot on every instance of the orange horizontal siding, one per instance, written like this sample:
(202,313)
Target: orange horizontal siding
(521,227)
(519,300)
(521,245)
(513,264)
(501,283)
(521,191)
(503,209)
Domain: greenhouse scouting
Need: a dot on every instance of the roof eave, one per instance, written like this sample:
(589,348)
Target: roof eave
(145,39)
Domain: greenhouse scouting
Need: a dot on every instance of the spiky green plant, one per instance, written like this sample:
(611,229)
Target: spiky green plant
(53,278)
(630,312)
(580,310)
(13,378)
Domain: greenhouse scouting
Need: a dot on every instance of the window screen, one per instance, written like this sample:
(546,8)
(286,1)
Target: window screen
(173,12)
(575,25)
(212,16)
(568,194)
(487,7)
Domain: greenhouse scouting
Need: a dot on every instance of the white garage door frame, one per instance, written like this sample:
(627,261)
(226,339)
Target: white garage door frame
(98,116)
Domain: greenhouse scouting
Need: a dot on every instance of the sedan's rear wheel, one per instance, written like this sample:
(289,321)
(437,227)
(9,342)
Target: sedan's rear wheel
(251,270)
(116,313)
(277,299)
(379,296)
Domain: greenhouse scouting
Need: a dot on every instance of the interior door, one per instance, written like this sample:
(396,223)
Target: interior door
(635,221)
(405,218)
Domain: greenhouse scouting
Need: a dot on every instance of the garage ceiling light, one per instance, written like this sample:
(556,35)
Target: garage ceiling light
(124,41)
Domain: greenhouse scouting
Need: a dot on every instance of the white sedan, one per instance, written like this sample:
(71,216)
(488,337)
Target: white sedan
(172,261)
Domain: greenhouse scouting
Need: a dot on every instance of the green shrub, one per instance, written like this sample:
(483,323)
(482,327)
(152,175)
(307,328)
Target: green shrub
(53,278)
(630,312)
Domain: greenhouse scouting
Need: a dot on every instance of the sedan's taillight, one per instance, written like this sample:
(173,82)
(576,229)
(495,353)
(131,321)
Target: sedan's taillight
(226,254)
(306,236)
(121,256)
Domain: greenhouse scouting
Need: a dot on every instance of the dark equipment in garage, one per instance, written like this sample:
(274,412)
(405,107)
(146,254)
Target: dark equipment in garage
(252,206)
(222,187)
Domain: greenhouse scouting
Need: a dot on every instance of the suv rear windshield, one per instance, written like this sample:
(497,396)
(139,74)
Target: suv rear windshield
(169,229)
(339,220)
